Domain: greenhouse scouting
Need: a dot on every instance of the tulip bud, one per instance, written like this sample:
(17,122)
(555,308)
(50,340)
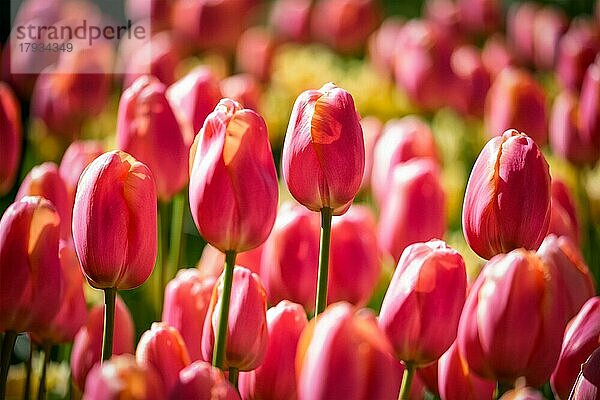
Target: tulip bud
(233,183)
(372,128)
(563,218)
(158,56)
(30,273)
(458,382)
(507,200)
(186,302)
(587,386)
(331,366)
(577,49)
(549,25)
(77,156)
(10,137)
(382,44)
(162,347)
(589,119)
(87,347)
(275,378)
(473,80)
(44,180)
(582,336)
(513,320)
(255,52)
(323,157)
(480,16)
(122,378)
(520,29)
(430,280)
(243,88)
(202,381)
(290,19)
(247,335)
(516,100)
(496,54)
(415,199)
(148,130)
(114,222)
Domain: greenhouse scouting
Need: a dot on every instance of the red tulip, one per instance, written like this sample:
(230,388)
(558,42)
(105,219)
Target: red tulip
(382,44)
(548,26)
(582,336)
(589,121)
(186,302)
(458,382)
(247,335)
(255,52)
(290,19)
(158,56)
(507,200)
(563,218)
(372,128)
(496,55)
(473,80)
(10,137)
(415,199)
(513,320)
(577,49)
(429,377)
(275,378)
(233,183)
(323,157)
(201,381)
(148,130)
(243,88)
(77,156)
(587,386)
(87,347)
(114,222)
(480,16)
(30,273)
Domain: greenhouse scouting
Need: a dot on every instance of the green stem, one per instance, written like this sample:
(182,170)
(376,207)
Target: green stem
(109,322)
(221,339)
(8,343)
(326,214)
(42,386)
(233,376)
(27,385)
(587,226)
(176,232)
(407,379)
(163,237)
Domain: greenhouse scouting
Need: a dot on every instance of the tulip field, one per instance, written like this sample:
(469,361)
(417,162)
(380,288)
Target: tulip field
(300,199)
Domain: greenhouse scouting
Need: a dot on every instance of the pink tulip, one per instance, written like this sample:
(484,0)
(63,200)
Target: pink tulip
(587,386)
(563,218)
(382,44)
(480,16)
(275,378)
(520,29)
(589,121)
(496,54)
(548,26)
(290,19)
(247,335)
(148,129)
(114,222)
(186,302)
(507,200)
(429,377)
(243,88)
(87,347)
(372,128)
(77,156)
(30,272)
(446,15)
(458,382)
(233,183)
(162,348)
(577,49)
(122,377)
(513,320)
(415,199)
(582,336)
(255,52)
(10,137)
(201,381)
(473,78)
(158,56)
(323,157)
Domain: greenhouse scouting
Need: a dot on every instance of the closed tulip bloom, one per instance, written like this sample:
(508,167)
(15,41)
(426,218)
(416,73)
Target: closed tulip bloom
(473,78)
(589,121)
(372,128)
(587,386)
(10,137)
(458,382)
(255,52)
(331,366)
(87,347)
(247,335)
(158,56)
(202,381)
(516,100)
(564,128)
(162,347)
(577,49)
(233,183)
(30,272)
(563,219)
(323,158)
(290,19)
(520,29)
(77,156)
(414,210)
(114,222)
(243,88)
(582,336)
(382,44)
(276,378)
(507,200)
(513,320)
(186,302)
(496,54)
(549,25)
(122,377)
(148,130)
(430,280)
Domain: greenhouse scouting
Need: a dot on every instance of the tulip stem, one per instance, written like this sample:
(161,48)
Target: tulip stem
(8,343)
(587,227)
(176,232)
(221,339)
(42,386)
(27,385)
(407,379)
(233,376)
(110,295)
(163,237)
(326,214)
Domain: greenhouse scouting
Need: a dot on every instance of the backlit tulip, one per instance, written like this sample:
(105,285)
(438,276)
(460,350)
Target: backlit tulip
(290,19)
(589,121)
(563,219)
(577,49)
(87,347)
(255,52)
(123,378)
(582,336)
(507,200)
(114,222)
(77,156)
(513,320)
(186,302)
(414,210)
(30,272)
(430,280)
(323,157)
(247,335)
(233,184)
(516,100)
(243,88)
(10,137)
(276,378)
(587,386)
(458,382)
(148,130)
(162,347)
(372,128)
(202,381)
